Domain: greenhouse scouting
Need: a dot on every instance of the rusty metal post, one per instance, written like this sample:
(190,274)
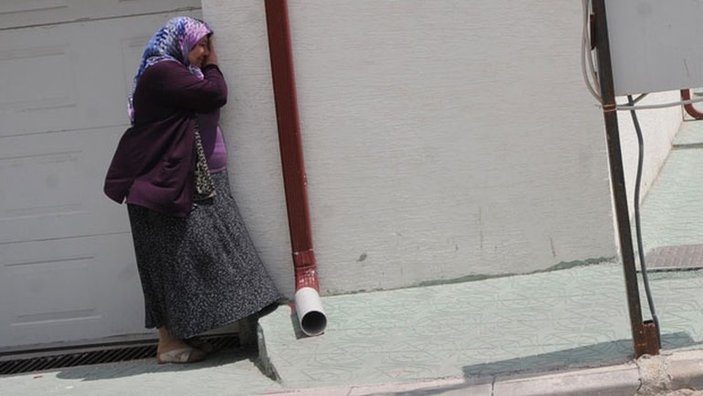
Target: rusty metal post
(642,332)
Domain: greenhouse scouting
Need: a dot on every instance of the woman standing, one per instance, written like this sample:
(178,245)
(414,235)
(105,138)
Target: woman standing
(199,269)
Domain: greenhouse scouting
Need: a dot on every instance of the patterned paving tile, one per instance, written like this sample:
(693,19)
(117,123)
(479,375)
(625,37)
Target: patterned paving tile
(672,212)
(435,338)
(691,132)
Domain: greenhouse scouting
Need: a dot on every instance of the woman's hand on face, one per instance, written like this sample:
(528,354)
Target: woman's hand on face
(212,55)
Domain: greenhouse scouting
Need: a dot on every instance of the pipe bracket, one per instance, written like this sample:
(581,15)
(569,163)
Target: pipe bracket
(305,270)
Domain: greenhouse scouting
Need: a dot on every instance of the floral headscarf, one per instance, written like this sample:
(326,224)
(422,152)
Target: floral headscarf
(173,42)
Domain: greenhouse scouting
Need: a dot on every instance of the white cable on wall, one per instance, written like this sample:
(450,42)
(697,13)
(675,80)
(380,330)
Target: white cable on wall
(658,105)
(586,50)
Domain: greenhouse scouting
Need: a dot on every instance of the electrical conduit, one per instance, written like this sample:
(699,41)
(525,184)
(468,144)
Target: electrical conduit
(308,305)
(690,108)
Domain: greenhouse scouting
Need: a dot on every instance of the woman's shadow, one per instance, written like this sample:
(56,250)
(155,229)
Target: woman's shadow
(130,368)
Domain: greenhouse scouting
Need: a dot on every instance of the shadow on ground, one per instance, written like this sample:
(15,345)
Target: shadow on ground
(596,355)
(149,366)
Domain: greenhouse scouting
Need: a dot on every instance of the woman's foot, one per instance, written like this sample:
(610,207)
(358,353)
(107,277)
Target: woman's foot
(181,355)
(175,350)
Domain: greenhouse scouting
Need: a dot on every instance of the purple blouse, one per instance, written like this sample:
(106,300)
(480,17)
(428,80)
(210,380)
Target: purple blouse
(213,141)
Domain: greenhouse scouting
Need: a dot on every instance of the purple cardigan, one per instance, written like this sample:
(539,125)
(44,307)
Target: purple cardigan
(154,163)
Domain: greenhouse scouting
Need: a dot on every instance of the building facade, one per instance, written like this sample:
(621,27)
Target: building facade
(444,140)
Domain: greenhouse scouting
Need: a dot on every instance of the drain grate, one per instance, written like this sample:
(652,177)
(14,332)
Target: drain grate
(95,354)
(671,258)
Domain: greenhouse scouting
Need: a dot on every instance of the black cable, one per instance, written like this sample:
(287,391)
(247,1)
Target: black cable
(638,228)
(637,99)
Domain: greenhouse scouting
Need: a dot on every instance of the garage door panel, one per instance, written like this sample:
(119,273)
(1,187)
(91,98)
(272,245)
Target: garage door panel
(49,290)
(57,94)
(8,7)
(54,185)
(41,183)
(19,13)
(132,49)
(47,69)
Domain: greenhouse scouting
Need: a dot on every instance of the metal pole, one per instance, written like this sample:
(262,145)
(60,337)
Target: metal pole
(641,334)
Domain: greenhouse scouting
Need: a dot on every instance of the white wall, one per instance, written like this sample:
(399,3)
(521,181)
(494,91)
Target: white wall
(658,130)
(443,139)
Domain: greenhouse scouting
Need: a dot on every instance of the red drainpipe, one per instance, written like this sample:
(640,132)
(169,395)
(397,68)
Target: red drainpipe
(308,306)
(690,108)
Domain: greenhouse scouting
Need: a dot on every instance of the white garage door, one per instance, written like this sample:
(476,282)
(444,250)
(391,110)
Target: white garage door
(67,270)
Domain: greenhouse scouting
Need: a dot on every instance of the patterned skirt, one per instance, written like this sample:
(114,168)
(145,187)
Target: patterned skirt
(200,272)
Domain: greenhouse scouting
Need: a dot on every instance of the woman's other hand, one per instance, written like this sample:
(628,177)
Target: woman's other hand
(211,58)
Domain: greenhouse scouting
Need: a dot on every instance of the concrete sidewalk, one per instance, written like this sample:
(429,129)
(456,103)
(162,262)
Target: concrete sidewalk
(566,319)
(658,375)
(234,373)
(496,336)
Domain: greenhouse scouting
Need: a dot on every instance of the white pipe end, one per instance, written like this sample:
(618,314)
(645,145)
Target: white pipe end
(308,307)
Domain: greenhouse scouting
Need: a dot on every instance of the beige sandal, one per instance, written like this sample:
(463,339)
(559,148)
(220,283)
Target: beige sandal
(182,355)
